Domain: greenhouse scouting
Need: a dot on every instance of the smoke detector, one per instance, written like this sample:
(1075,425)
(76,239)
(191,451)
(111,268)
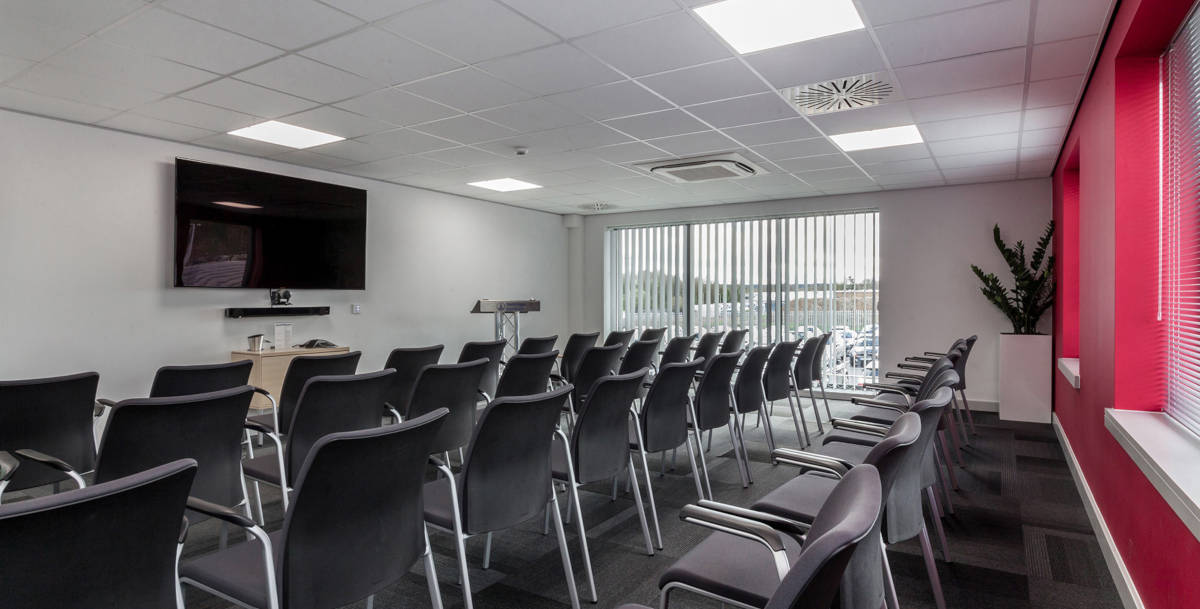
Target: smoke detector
(704,169)
(848,93)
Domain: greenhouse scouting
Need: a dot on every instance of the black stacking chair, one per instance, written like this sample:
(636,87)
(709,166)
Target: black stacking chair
(505,480)
(597,363)
(749,396)
(327,404)
(749,562)
(802,381)
(896,455)
(302,368)
(204,378)
(598,450)
(818,369)
(639,355)
(708,346)
(542,344)
(678,350)
(408,364)
(963,346)
(493,351)
(572,355)
(711,408)
(452,386)
(662,425)
(619,337)
(52,416)
(912,376)
(777,385)
(526,374)
(354,527)
(655,334)
(109,545)
(734,341)
(962,380)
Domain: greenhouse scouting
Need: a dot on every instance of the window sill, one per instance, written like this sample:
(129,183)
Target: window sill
(1166,453)
(1069,367)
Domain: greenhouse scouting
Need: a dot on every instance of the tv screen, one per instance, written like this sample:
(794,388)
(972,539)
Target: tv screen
(237,228)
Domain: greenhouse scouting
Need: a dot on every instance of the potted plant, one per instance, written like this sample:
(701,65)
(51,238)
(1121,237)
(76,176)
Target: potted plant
(1025,368)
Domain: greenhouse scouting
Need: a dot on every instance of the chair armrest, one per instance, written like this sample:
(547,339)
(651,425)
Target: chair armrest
(905,366)
(219,512)
(794,528)
(874,429)
(894,388)
(904,375)
(225,514)
(740,527)
(8,466)
(101,405)
(52,462)
(267,394)
(799,458)
(259,427)
(183,530)
(876,404)
(933,354)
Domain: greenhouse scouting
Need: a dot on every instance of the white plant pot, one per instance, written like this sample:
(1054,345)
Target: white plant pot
(1026,377)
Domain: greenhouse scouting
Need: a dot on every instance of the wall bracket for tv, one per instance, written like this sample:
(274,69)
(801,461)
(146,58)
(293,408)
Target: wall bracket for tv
(291,311)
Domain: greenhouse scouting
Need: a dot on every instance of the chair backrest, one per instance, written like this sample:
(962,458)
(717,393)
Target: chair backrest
(330,404)
(818,363)
(709,343)
(679,349)
(748,388)
(493,351)
(664,413)
(146,432)
(408,363)
(903,518)
(962,369)
(506,475)
(110,545)
(639,355)
(597,363)
(187,380)
(619,337)
(537,344)
(577,345)
(451,386)
(845,523)
(805,362)
(600,439)
(526,374)
(358,498)
(653,334)
(714,391)
(734,341)
(304,367)
(934,377)
(778,376)
(53,416)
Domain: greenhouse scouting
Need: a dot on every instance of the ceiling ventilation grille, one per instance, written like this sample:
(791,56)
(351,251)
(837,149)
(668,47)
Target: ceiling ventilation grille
(840,94)
(597,206)
(703,169)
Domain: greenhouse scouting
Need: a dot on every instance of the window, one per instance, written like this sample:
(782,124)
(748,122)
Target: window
(782,278)
(1180,221)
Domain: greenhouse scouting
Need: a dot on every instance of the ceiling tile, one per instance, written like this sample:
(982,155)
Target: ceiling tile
(891,154)
(336,121)
(532,115)
(468,89)
(163,34)
(713,81)
(961,161)
(863,119)
(144,125)
(964,73)
(34,103)
(371,10)
(664,43)
(922,178)
(241,145)
(817,60)
(900,167)
(813,163)
(657,124)
(772,132)
(970,145)
(1062,19)
(463,156)
(624,98)
(579,17)
(24,39)
(396,167)
(821,176)
(798,148)
(628,153)
(71,15)
(68,84)
(287,24)
(470,30)
(879,12)
(466,129)
(1043,137)
(196,114)
(1036,168)
(695,143)
(308,79)
(553,142)
(1062,58)
(11,66)
(1054,92)
(405,141)
(970,127)
(100,59)
(1008,169)
(355,150)
(1044,118)
(248,98)
(747,110)
(1039,152)
(989,27)
(551,69)
(397,107)
(313,159)
(602,172)
(381,56)
(971,103)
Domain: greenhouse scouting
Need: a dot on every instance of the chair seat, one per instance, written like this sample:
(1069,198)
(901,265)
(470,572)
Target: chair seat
(730,567)
(558,462)
(852,452)
(799,498)
(439,511)
(267,420)
(265,468)
(875,415)
(237,572)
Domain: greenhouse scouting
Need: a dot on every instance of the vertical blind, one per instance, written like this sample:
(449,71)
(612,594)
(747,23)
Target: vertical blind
(1180,218)
(782,278)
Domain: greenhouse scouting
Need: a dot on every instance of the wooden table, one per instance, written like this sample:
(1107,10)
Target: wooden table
(270,365)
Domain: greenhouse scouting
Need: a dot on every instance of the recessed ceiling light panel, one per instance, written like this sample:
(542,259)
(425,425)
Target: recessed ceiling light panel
(754,25)
(283,134)
(504,185)
(878,138)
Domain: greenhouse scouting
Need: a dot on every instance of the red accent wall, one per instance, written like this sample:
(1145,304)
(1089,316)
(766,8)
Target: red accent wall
(1106,205)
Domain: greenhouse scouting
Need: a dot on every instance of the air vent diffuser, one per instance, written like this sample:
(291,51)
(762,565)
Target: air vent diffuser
(840,94)
(703,169)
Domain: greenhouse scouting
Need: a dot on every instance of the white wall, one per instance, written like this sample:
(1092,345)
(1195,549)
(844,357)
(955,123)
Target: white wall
(928,239)
(86,240)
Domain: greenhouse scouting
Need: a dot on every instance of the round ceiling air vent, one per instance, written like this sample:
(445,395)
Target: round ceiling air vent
(597,206)
(840,94)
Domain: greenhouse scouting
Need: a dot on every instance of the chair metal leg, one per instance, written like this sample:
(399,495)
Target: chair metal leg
(371,602)
(937,522)
(946,460)
(614,489)
(435,593)
(487,551)
(942,479)
(641,509)
(816,410)
(954,441)
(573,489)
(960,419)
(824,397)
(737,451)
(893,601)
(967,407)
(931,567)
(649,487)
(178,584)
(562,550)
(695,467)
(700,451)
(767,431)
(741,438)
(798,421)
(704,464)
(460,540)
(570,505)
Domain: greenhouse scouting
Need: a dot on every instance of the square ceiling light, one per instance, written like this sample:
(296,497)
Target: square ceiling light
(754,25)
(283,134)
(878,138)
(504,185)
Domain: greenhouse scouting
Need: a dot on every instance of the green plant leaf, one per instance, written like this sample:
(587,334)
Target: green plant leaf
(1032,293)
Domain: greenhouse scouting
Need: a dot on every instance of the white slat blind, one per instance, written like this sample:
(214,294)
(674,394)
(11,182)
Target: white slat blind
(1181,224)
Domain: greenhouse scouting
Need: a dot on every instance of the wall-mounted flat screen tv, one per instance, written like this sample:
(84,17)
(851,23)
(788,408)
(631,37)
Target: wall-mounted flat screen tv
(237,228)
